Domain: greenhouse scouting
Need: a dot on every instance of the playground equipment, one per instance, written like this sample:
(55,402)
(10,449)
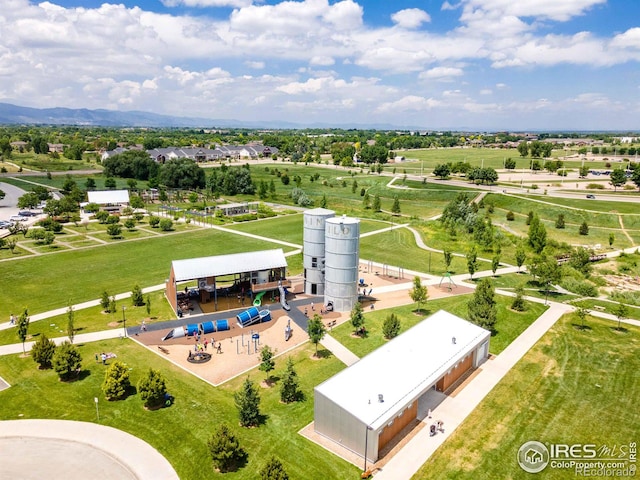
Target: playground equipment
(214,326)
(251,316)
(447,278)
(258,300)
(179,332)
(288,331)
(283,298)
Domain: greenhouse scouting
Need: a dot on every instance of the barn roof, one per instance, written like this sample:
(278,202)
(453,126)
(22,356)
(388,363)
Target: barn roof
(218,265)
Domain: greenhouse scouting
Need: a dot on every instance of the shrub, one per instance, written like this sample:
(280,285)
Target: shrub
(518,303)
(136,296)
(66,361)
(391,326)
(225,449)
(154,221)
(116,381)
(114,230)
(166,224)
(595,186)
(584,228)
(130,223)
(153,389)
(273,470)
(42,351)
(510,216)
(580,287)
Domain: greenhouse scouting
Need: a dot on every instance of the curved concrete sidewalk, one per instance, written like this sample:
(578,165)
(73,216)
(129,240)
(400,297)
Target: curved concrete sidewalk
(36,449)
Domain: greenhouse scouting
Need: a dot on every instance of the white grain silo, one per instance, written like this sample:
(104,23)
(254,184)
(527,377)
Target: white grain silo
(313,249)
(342,253)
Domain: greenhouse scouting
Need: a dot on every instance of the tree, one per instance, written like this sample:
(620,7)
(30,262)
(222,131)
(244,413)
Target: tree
(560,221)
(183,173)
(110,183)
(153,389)
(147,304)
(266,361)
(43,350)
(166,225)
(136,296)
(537,235)
(518,303)
(154,221)
(523,149)
(316,331)
(289,386)
(395,208)
(273,470)
(521,256)
(617,178)
(620,311)
(391,326)
(510,164)
(442,170)
(482,307)
(114,230)
(247,402)
(366,201)
(357,319)
(495,263)
(116,383)
(71,330)
(376,203)
(419,292)
(23,327)
(225,450)
(448,256)
(323,201)
(547,270)
(28,200)
(582,315)
(472,261)
(583,171)
(612,238)
(105,301)
(584,228)
(67,361)
(510,216)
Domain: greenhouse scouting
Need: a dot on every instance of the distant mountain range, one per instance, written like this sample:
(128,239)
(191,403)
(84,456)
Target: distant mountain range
(16,115)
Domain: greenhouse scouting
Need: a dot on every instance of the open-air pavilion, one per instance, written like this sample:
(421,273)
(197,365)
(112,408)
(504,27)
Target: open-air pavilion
(236,274)
(367,405)
(109,200)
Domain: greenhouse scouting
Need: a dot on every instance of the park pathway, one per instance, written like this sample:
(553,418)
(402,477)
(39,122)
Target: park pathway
(341,352)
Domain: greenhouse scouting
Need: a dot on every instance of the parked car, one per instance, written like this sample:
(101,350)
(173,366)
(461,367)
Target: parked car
(591,196)
(27,213)
(4,224)
(18,218)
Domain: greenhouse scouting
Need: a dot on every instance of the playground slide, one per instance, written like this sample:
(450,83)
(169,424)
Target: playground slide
(283,298)
(248,317)
(258,300)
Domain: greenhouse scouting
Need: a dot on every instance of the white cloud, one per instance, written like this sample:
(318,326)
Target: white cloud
(321,61)
(442,73)
(486,91)
(448,6)
(207,3)
(255,65)
(628,39)
(409,103)
(552,9)
(410,18)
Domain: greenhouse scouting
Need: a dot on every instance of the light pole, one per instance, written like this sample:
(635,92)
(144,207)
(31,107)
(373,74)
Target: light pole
(366,445)
(95,399)
(124,320)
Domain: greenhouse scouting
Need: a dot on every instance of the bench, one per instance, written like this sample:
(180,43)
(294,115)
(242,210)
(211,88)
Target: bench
(163,350)
(331,324)
(599,307)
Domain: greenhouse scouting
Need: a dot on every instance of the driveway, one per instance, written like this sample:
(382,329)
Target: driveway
(9,204)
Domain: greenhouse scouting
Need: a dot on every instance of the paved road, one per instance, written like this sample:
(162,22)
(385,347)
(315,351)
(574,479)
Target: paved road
(9,204)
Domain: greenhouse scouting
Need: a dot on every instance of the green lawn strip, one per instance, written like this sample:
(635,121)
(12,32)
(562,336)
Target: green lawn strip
(398,248)
(549,212)
(181,431)
(531,287)
(42,248)
(6,253)
(590,204)
(560,392)
(476,157)
(45,282)
(596,305)
(94,320)
(510,324)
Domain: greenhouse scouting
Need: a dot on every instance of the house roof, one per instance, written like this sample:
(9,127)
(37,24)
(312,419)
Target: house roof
(227,264)
(104,197)
(403,368)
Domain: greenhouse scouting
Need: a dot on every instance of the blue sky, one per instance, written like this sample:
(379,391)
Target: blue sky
(466,64)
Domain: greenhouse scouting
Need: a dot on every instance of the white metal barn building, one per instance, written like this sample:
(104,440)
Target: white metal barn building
(370,402)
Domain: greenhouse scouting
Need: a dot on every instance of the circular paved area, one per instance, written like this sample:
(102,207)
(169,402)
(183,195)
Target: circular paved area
(36,449)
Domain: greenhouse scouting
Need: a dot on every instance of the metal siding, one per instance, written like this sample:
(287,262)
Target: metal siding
(342,252)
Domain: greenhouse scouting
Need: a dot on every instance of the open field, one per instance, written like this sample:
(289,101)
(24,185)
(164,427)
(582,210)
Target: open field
(562,391)
(510,324)
(46,282)
(181,431)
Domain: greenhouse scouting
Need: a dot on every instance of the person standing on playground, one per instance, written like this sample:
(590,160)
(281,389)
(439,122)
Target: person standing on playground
(205,344)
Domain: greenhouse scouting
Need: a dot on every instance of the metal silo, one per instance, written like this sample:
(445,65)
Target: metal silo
(342,253)
(313,249)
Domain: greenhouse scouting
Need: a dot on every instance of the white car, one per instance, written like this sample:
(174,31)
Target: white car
(18,218)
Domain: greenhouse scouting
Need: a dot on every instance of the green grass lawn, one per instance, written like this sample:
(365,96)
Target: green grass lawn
(574,386)
(46,282)
(510,324)
(181,431)
(94,320)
